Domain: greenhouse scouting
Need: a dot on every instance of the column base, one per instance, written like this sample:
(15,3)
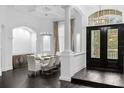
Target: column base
(66,66)
(65,78)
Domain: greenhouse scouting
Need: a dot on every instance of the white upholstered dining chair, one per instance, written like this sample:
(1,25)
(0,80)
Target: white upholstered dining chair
(48,68)
(34,65)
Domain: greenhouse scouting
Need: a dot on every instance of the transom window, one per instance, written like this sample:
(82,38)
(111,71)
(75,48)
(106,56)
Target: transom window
(104,17)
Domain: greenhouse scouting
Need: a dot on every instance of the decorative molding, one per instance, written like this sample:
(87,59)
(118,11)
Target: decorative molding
(77,69)
(66,6)
(80,53)
(45,34)
(65,78)
(7,68)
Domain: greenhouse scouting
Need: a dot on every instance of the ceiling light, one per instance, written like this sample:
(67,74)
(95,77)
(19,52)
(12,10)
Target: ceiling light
(46,14)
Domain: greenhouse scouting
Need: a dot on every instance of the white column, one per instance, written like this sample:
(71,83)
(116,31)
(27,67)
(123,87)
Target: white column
(6,44)
(67,29)
(71,62)
(66,55)
(0,52)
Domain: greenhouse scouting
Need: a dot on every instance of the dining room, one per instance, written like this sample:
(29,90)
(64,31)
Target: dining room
(42,41)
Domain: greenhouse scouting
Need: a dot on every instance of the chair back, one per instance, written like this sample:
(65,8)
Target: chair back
(51,62)
(38,56)
(31,62)
(57,60)
(44,63)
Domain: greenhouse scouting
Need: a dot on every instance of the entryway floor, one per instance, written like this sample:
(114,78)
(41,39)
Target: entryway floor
(95,78)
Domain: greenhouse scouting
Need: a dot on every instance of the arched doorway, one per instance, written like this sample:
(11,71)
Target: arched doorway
(23,43)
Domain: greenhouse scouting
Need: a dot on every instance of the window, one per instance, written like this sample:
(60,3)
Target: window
(78,42)
(112,50)
(106,16)
(61,29)
(95,44)
(46,43)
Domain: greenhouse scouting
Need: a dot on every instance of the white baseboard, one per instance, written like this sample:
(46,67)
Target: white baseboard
(0,72)
(65,78)
(7,68)
(77,69)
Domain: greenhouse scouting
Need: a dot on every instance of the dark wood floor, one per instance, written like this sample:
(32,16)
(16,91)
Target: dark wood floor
(18,79)
(96,78)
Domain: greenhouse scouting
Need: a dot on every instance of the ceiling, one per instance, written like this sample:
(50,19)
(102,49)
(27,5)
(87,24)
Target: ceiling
(45,11)
(56,11)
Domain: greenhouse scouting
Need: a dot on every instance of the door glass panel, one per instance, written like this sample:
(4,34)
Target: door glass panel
(112,50)
(95,44)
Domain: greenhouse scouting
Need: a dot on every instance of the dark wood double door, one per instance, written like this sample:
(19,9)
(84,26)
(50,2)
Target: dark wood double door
(105,47)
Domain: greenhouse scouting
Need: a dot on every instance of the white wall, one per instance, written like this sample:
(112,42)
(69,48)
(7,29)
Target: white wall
(11,19)
(33,42)
(80,28)
(23,41)
(47,26)
(0,52)
(1,21)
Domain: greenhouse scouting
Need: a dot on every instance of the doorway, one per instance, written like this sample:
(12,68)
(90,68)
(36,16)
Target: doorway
(105,46)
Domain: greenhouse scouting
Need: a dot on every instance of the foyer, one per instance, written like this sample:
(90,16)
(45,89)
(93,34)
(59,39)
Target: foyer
(99,79)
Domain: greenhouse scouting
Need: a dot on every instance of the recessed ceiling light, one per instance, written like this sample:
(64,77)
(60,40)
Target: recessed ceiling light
(47,9)
(46,14)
